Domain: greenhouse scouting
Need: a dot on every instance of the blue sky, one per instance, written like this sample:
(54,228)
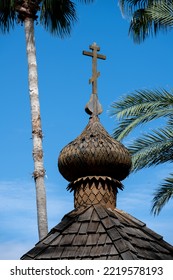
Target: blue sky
(64,90)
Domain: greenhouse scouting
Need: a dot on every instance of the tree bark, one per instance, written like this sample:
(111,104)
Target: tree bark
(39,171)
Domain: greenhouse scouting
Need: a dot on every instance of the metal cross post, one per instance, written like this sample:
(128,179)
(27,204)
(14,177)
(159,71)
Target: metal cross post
(93,105)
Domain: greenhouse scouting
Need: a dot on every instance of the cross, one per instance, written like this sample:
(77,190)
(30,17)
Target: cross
(93,103)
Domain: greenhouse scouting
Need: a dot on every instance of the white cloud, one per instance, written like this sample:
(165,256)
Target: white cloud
(129,201)
(18,231)
(12,250)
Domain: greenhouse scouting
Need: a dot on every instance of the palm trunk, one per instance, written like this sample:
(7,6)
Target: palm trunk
(39,171)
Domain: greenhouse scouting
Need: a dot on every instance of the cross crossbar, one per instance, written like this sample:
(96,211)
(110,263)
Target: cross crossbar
(101,56)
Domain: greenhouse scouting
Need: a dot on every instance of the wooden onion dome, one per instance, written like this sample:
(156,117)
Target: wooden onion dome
(94,155)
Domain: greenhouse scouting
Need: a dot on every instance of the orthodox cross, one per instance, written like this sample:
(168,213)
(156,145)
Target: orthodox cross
(93,106)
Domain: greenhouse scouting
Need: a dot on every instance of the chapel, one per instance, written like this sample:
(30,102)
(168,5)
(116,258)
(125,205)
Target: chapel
(95,164)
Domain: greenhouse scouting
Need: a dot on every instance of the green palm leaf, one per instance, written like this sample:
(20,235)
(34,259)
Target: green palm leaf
(162,195)
(127,125)
(152,149)
(162,13)
(140,102)
(8,15)
(128,7)
(142,25)
(147,17)
(170,122)
(140,107)
(57,17)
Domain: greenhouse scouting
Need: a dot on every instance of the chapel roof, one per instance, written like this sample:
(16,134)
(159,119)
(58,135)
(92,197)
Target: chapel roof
(95,232)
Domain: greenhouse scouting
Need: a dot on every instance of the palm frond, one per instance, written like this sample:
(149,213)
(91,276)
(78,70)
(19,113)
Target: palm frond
(141,101)
(140,107)
(152,149)
(162,195)
(142,26)
(162,13)
(170,122)
(127,125)
(58,16)
(147,17)
(8,15)
(128,7)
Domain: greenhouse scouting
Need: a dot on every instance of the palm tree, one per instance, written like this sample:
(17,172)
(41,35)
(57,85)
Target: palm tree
(147,17)
(150,149)
(57,17)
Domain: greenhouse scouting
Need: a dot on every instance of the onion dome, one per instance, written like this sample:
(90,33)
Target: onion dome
(94,153)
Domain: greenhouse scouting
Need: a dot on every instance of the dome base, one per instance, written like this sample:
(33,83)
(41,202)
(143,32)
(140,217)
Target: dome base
(95,190)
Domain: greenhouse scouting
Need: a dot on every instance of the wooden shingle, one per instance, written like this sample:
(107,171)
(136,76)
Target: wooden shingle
(80,240)
(94,234)
(57,252)
(92,227)
(67,239)
(92,239)
(102,239)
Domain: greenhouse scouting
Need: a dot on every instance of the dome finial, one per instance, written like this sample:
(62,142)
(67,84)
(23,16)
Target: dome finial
(93,107)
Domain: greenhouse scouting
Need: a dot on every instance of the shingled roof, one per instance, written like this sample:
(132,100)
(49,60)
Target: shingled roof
(94,164)
(96,232)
